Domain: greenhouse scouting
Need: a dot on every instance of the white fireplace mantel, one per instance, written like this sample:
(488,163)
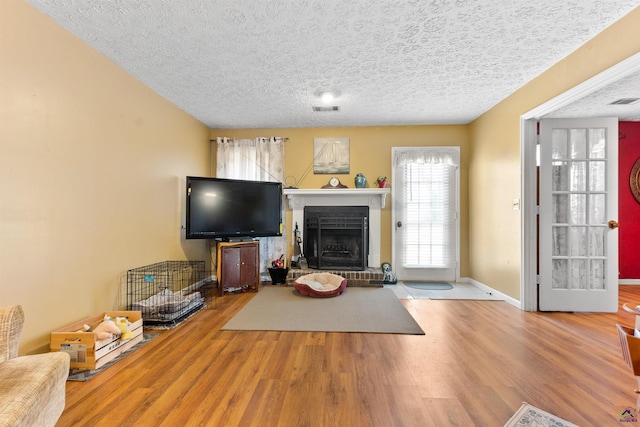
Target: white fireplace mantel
(374,198)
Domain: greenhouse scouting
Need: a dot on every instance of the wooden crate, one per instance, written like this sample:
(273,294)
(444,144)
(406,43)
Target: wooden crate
(88,353)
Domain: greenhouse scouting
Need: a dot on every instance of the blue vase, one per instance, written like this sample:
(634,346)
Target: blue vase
(361,181)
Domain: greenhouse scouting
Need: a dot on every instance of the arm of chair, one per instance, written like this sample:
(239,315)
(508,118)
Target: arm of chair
(11,321)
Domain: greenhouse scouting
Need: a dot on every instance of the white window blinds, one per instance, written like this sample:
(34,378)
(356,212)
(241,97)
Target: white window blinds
(429,220)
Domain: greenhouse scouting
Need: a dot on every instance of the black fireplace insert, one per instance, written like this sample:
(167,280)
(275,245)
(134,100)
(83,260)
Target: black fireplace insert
(336,237)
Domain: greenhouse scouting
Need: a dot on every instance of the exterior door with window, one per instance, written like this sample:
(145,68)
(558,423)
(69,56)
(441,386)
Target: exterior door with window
(578,207)
(425,212)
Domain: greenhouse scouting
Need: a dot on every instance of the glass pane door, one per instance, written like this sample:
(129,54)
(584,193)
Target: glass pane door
(578,194)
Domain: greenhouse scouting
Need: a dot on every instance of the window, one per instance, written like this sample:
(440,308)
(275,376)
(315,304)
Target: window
(429,215)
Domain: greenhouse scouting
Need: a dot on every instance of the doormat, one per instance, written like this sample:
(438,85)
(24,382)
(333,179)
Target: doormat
(87,374)
(529,415)
(428,286)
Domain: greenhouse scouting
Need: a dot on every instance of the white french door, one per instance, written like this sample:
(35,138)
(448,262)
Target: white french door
(425,207)
(578,205)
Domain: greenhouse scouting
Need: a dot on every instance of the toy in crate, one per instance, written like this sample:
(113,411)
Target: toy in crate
(166,291)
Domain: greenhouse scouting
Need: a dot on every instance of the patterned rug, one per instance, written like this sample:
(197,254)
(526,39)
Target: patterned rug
(530,416)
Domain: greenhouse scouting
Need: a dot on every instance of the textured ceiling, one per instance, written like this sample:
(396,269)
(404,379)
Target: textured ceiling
(261,63)
(597,104)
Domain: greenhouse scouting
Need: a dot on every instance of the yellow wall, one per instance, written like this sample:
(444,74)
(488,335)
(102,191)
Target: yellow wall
(92,169)
(370,153)
(494,173)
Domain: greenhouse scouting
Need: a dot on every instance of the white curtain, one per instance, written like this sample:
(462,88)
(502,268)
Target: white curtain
(428,156)
(260,159)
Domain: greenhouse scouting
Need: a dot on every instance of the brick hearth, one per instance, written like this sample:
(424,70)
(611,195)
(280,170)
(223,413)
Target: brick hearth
(371,277)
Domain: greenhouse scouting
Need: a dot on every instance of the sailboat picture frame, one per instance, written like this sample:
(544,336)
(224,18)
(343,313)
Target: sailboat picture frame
(331,155)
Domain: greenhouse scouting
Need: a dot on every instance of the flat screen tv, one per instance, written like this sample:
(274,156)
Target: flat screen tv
(229,209)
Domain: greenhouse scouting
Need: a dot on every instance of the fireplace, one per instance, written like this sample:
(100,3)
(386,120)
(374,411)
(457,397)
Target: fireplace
(373,198)
(336,237)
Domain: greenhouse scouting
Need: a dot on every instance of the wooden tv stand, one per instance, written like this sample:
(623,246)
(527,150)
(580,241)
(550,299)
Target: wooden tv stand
(238,265)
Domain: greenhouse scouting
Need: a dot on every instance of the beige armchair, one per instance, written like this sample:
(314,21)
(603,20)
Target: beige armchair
(32,388)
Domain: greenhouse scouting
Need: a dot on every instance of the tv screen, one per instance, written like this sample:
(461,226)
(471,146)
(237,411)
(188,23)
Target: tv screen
(220,208)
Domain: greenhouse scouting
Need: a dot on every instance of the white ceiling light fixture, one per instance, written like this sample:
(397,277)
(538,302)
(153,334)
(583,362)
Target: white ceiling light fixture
(327,97)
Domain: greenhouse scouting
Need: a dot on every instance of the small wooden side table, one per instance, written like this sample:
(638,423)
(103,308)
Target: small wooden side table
(238,266)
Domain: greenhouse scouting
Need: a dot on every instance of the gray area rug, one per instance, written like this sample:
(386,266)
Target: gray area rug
(530,416)
(372,310)
(428,286)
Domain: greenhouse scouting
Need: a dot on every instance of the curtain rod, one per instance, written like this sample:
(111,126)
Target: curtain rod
(284,138)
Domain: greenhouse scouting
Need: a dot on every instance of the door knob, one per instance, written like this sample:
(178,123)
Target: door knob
(399,223)
(613,224)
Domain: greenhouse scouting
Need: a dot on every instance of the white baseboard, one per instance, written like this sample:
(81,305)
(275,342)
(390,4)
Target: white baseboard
(507,298)
(517,303)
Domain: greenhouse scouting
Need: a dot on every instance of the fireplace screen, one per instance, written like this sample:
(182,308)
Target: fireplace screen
(336,237)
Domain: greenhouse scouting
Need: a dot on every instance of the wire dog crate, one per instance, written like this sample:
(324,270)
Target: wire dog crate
(166,292)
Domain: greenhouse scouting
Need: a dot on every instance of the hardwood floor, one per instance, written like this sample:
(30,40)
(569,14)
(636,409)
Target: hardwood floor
(477,363)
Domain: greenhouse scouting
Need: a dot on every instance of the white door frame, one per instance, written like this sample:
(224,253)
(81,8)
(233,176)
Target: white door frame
(457,204)
(528,141)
